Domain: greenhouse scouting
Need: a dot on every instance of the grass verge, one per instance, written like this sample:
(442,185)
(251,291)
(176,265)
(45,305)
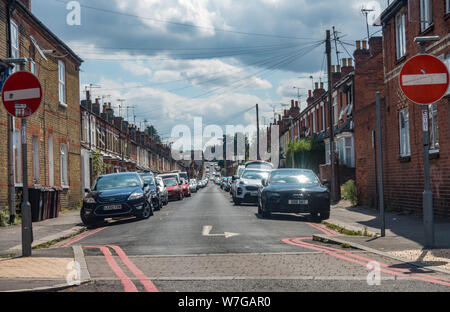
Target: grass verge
(345,231)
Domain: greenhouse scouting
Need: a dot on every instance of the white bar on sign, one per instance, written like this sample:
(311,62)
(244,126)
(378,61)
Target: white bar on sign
(426,79)
(24,94)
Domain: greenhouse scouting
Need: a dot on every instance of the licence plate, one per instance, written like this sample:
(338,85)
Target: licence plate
(298,202)
(112,207)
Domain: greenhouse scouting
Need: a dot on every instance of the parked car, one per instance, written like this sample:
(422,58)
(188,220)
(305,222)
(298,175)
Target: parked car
(185,187)
(162,190)
(248,186)
(235,179)
(149,178)
(175,175)
(174,189)
(294,191)
(259,164)
(117,195)
(184,175)
(193,186)
(227,184)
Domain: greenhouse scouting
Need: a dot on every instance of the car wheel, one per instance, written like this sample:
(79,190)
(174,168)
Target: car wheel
(146,212)
(265,214)
(158,207)
(325,215)
(89,221)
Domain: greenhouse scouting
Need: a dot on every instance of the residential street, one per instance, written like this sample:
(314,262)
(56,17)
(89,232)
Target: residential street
(174,255)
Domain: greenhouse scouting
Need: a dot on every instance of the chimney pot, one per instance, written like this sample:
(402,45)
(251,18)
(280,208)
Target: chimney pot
(333,68)
(310,93)
(292,103)
(350,62)
(316,85)
(358,45)
(338,68)
(321,85)
(296,103)
(364,44)
(344,62)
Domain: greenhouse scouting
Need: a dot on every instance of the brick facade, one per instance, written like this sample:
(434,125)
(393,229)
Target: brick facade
(403,174)
(62,122)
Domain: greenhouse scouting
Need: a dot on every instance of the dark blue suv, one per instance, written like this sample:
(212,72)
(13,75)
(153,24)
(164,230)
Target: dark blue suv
(117,195)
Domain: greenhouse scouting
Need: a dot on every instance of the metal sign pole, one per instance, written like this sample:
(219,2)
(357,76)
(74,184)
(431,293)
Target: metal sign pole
(27,231)
(428,214)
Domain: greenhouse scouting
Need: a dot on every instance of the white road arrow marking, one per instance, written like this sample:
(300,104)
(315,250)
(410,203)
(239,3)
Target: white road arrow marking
(208,228)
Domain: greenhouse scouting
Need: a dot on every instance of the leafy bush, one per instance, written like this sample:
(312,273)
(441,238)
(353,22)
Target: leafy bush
(349,192)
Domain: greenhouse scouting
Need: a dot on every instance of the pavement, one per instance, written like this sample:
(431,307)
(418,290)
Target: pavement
(404,235)
(47,269)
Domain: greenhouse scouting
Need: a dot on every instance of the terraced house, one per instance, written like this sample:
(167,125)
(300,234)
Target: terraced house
(53,132)
(403,156)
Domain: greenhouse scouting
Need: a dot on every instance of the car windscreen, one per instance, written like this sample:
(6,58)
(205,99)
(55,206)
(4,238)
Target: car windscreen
(149,179)
(260,165)
(117,181)
(184,176)
(170,182)
(255,175)
(299,177)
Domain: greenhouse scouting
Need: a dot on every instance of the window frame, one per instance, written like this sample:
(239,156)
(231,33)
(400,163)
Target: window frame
(63,161)
(15,49)
(35,159)
(433,128)
(400,35)
(404,135)
(426,12)
(62,95)
(447,6)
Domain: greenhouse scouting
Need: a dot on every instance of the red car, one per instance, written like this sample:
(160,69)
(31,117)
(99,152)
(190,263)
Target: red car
(185,187)
(175,191)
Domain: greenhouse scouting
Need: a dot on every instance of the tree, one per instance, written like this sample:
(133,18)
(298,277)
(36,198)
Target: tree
(153,132)
(98,166)
(308,154)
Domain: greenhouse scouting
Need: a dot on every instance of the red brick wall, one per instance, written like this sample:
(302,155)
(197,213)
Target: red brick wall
(404,179)
(369,78)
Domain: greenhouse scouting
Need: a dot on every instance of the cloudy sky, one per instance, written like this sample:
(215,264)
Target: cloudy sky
(179,59)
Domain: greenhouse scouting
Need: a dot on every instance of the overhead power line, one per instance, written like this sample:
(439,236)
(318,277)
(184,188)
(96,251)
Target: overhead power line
(187,25)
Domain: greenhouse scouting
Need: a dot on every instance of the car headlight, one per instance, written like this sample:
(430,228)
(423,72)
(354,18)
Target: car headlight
(89,200)
(135,196)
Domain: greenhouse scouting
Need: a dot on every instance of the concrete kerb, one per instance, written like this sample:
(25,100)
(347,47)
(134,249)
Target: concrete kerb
(350,227)
(76,230)
(84,275)
(335,240)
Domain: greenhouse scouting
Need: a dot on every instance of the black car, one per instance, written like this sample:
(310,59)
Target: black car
(149,179)
(293,191)
(117,195)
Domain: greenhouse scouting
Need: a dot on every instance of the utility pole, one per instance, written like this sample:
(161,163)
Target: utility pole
(257,132)
(334,187)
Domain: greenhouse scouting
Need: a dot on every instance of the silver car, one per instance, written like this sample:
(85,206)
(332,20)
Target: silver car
(248,185)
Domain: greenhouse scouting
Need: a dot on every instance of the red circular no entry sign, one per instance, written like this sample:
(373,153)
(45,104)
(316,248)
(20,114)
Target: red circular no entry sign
(22,94)
(424,79)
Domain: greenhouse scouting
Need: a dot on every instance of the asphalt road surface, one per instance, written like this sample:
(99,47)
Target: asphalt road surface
(206,243)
